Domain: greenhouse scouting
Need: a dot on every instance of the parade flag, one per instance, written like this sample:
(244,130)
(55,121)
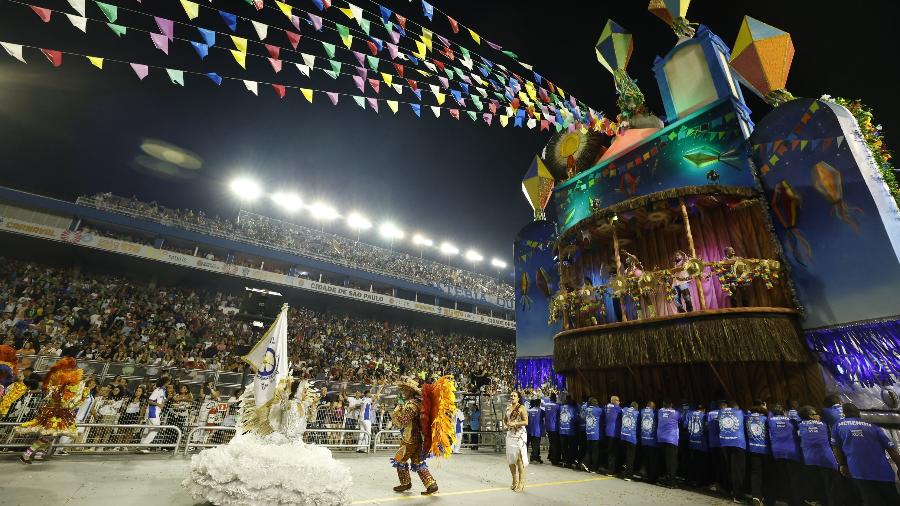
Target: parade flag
(269,359)
(78,5)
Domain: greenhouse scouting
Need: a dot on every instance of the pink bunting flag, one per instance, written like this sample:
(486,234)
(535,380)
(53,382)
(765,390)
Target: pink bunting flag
(488,117)
(293,38)
(444,82)
(361,72)
(54,56)
(443,40)
(361,58)
(454,113)
(258,4)
(274,51)
(375,84)
(333,97)
(395,37)
(373,103)
(140,69)
(545,125)
(295,20)
(42,13)
(276,64)
(160,41)
(316,21)
(392,50)
(497,47)
(359,83)
(166,26)
(279,90)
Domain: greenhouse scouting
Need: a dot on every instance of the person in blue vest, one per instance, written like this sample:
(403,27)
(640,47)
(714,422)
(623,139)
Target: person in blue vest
(568,432)
(786,452)
(733,441)
(649,455)
(759,453)
(821,476)
(593,421)
(628,434)
(832,413)
(583,409)
(535,430)
(793,411)
(717,457)
(859,448)
(698,447)
(612,424)
(667,439)
(551,424)
(475,424)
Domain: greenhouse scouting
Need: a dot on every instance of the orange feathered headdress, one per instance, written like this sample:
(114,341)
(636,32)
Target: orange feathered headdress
(63,372)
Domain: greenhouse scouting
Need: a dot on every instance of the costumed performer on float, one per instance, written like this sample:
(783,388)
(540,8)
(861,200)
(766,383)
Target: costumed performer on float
(64,384)
(267,462)
(425,419)
(12,388)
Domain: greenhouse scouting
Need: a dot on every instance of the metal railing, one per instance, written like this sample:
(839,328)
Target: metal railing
(16,440)
(337,439)
(208,440)
(386,440)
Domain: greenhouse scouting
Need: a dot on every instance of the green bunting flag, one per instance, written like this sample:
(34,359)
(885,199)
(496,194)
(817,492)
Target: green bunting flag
(335,66)
(117,29)
(177,76)
(111,11)
(359,101)
(329,49)
(365,24)
(373,62)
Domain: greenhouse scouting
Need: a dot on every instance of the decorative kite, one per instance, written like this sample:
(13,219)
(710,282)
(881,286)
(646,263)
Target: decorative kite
(524,300)
(537,185)
(762,57)
(827,181)
(673,13)
(542,280)
(613,51)
(786,205)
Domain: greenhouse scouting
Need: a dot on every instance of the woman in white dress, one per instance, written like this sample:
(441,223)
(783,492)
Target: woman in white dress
(516,420)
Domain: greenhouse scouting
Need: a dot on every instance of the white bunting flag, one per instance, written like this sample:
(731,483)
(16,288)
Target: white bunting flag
(261,29)
(14,50)
(78,22)
(252,87)
(78,5)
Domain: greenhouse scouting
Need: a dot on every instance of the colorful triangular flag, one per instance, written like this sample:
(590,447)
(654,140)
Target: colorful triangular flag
(140,70)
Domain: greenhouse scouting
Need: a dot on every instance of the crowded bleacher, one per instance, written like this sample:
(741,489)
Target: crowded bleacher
(49,311)
(333,248)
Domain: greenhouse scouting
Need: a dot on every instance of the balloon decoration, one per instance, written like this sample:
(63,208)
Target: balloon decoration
(613,51)
(568,153)
(786,205)
(762,57)
(537,185)
(827,181)
(673,13)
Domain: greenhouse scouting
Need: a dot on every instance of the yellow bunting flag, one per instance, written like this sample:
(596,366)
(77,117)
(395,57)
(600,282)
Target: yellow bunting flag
(387,78)
(307,93)
(240,57)
(421,47)
(285,8)
(347,12)
(440,98)
(392,105)
(240,43)
(191,9)
(96,61)
(504,120)
(475,36)
(426,38)
(348,40)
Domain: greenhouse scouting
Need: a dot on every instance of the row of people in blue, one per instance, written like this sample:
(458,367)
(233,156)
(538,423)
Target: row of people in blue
(800,455)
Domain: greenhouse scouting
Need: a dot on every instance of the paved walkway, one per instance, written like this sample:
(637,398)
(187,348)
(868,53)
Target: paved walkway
(470,479)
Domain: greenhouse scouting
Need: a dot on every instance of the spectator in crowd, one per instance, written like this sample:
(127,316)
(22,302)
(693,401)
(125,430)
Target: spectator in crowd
(860,448)
(475,424)
(156,402)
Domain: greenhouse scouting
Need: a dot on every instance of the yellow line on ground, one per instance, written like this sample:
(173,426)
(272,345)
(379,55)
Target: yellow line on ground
(477,491)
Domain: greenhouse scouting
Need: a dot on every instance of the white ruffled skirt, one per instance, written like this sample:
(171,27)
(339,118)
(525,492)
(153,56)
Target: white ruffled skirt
(268,471)
(517,446)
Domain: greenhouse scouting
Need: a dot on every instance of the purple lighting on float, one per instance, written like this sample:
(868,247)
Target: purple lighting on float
(863,352)
(533,372)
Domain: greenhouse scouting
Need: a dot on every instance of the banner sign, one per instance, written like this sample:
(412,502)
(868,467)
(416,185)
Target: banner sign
(455,291)
(170,257)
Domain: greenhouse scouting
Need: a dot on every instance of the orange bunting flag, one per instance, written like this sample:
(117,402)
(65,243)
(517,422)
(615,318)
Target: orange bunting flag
(54,56)
(279,90)
(42,13)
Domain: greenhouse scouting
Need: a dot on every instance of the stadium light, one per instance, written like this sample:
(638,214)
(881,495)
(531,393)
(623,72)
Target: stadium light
(245,189)
(473,256)
(390,231)
(449,249)
(359,222)
(323,212)
(290,202)
(500,264)
(421,241)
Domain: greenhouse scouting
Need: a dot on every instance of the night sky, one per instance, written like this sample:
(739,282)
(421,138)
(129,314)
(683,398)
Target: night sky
(77,130)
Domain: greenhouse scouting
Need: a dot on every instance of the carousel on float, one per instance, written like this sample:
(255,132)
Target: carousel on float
(699,256)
